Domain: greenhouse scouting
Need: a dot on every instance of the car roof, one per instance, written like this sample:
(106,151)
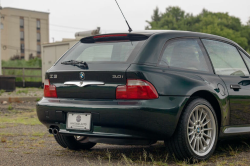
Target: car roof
(178,33)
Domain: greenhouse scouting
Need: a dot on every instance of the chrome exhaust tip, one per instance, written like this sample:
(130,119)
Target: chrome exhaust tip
(55,131)
(50,130)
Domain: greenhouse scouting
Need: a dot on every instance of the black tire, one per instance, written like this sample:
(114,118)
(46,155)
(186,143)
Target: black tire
(72,143)
(181,145)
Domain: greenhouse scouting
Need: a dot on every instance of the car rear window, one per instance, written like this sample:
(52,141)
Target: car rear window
(104,51)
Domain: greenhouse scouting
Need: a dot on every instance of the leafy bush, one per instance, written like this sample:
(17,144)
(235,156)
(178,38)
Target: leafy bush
(36,62)
(22,63)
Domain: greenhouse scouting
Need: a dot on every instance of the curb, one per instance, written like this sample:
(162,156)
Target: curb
(19,99)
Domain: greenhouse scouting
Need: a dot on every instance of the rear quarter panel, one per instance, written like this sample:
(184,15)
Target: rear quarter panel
(173,82)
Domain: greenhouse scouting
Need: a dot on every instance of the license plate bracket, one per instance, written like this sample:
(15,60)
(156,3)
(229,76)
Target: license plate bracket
(78,121)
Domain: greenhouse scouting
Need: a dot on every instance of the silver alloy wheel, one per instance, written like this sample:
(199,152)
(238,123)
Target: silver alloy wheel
(201,130)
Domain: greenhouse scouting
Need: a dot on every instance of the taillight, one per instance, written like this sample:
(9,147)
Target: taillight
(49,90)
(136,89)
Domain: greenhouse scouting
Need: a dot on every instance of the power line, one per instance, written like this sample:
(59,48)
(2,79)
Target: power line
(17,48)
(62,26)
(49,28)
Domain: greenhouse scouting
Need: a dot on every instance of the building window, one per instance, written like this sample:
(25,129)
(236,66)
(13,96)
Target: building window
(38,35)
(38,25)
(22,35)
(22,48)
(38,49)
(21,22)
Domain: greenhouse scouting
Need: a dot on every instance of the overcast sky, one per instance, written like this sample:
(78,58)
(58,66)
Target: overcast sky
(70,16)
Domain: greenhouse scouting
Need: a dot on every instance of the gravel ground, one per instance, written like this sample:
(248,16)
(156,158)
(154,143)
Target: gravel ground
(27,92)
(24,144)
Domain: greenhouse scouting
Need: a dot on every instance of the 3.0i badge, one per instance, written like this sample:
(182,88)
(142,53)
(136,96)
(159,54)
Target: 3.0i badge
(82,75)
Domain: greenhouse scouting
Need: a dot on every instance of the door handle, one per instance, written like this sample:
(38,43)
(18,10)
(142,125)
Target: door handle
(235,87)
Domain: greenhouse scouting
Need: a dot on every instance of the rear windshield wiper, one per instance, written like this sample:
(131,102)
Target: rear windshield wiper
(76,63)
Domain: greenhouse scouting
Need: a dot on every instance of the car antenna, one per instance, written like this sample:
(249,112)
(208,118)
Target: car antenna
(129,28)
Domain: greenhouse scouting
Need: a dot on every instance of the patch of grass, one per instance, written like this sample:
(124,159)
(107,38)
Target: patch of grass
(37,99)
(10,107)
(22,91)
(1,91)
(8,134)
(37,134)
(27,118)
(3,139)
(7,125)
(33,138)
(41,142)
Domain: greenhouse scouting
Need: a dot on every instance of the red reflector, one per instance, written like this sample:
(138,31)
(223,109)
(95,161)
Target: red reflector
(136,89)
(49,90)
(116,35)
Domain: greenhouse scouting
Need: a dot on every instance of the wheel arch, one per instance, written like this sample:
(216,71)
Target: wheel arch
(211,98)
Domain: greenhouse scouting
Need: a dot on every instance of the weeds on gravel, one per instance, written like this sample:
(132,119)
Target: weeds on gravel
(22,91)
(108,155)
(232,152)
(38,134)
(1,91)
(10,107)
(27,118)
(8,134)
(3,139)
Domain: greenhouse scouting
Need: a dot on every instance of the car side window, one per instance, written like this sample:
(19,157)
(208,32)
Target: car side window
(246,58)
(225,58)
(185,54)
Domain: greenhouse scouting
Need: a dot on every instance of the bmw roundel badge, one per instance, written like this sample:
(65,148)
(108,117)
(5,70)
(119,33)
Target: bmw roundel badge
(82,75)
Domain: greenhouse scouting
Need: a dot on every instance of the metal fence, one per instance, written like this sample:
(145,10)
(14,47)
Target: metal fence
(23,76)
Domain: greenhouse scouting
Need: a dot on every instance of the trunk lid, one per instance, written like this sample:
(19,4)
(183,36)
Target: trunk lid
(107,61)
(111,75)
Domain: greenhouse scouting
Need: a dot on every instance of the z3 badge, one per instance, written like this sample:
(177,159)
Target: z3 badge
(53,76)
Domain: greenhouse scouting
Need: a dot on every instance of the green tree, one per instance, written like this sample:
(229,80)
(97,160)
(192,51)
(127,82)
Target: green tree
(221,24)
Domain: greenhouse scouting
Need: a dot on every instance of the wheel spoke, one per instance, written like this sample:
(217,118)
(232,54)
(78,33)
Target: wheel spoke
(201,144)
(206,129)
(196,114)
(191,133)
(201,114)
(194,143)
(192,139)
(206,135)
(204,118)
(193,118)
(204,141)
(206,122)
(197,145)
(192,123)
(191,128)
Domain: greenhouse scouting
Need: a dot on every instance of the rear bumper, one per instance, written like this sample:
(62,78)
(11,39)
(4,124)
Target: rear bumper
(147,119)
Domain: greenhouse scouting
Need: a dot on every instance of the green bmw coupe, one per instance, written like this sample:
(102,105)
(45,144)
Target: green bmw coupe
(188,89)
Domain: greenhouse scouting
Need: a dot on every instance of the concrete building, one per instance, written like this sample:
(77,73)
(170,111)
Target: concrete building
(22,33)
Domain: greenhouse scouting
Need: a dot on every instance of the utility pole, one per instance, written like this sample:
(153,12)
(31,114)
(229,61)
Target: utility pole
(0,42)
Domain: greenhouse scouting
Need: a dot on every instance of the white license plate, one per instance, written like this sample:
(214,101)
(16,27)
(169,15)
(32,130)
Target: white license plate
(79,121)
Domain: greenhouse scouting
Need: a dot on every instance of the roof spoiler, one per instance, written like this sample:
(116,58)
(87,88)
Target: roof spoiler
(114,37)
